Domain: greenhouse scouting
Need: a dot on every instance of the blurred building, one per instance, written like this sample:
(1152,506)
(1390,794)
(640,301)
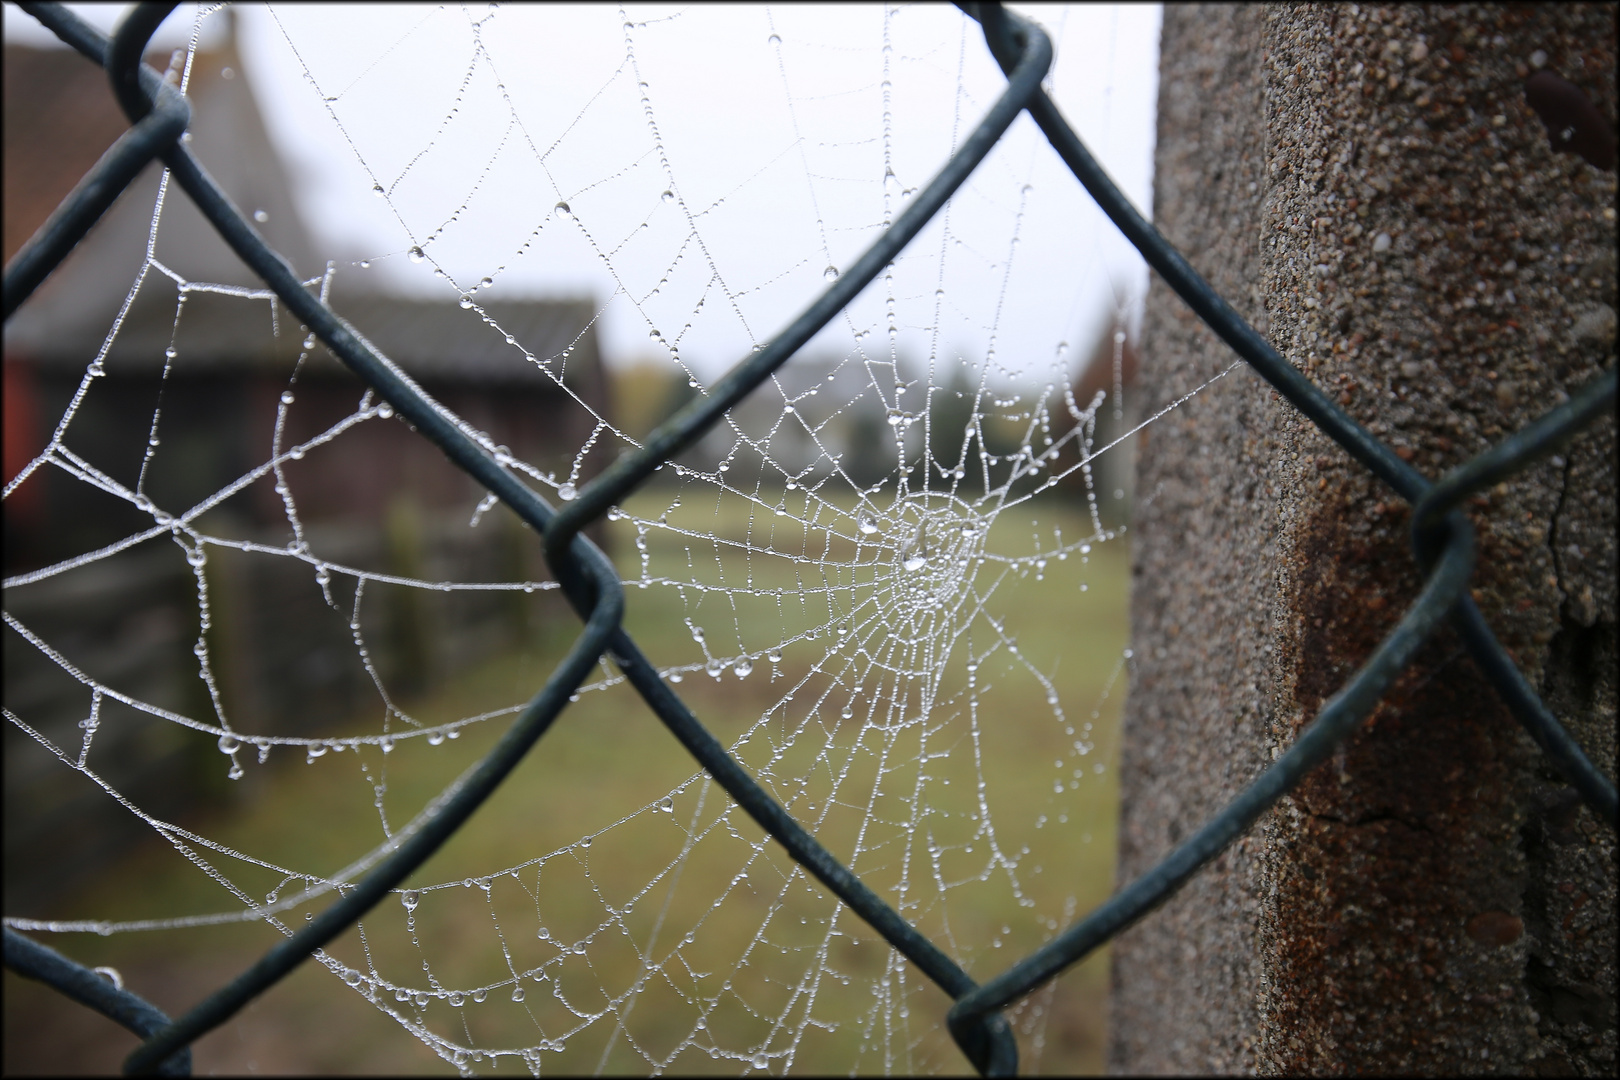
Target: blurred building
(232,358)
(216,373)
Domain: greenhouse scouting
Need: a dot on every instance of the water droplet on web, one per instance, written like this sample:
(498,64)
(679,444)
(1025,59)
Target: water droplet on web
(653,333)
(385,410)
(486,283)
(774,39)
(417,255)
(387,745)
(517,993)
(352,977)
(743,669)
(228,744)
(436,739)
(891,183)
(895,417)
(260,216)
(848,712)
(866,524)
(465,302)
(668,196)
(759,1061)
(480,994)
(309,916)
(456,999)
(585,843)
(774,657)
(667,805)
(562,210)
(567,492)
(287,397)
(831,273)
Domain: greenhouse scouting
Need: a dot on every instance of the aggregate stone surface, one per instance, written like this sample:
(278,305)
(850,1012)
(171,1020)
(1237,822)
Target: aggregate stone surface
(1372,188)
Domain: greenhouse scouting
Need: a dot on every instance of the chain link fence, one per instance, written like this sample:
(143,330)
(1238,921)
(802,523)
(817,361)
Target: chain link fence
(1442,542)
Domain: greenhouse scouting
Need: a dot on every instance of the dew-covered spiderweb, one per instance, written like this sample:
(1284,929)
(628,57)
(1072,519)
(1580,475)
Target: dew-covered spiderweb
(891,582)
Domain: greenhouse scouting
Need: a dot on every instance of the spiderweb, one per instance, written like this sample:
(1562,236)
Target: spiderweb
(873,581)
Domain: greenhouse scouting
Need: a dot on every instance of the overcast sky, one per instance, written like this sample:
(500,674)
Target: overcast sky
(772,131)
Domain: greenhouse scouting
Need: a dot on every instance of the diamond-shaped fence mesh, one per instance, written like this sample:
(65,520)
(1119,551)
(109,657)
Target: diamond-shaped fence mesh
(1442,542)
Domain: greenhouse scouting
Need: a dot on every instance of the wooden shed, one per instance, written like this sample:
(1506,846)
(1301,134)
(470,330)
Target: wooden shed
(198,366)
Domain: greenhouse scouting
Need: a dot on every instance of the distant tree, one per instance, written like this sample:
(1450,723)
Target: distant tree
(950,413)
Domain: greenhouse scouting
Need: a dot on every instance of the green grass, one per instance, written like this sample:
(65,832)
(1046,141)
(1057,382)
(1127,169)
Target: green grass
(651,879)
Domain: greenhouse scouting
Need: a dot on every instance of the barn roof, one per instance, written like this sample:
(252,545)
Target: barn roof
(60,117)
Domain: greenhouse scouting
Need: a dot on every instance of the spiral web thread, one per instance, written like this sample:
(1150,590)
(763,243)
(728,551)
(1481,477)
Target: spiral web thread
(879,610)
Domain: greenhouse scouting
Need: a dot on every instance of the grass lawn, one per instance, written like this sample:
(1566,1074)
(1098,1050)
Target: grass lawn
(959,758)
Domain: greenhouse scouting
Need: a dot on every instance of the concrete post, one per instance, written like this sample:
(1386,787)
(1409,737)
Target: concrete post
(1369,185)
